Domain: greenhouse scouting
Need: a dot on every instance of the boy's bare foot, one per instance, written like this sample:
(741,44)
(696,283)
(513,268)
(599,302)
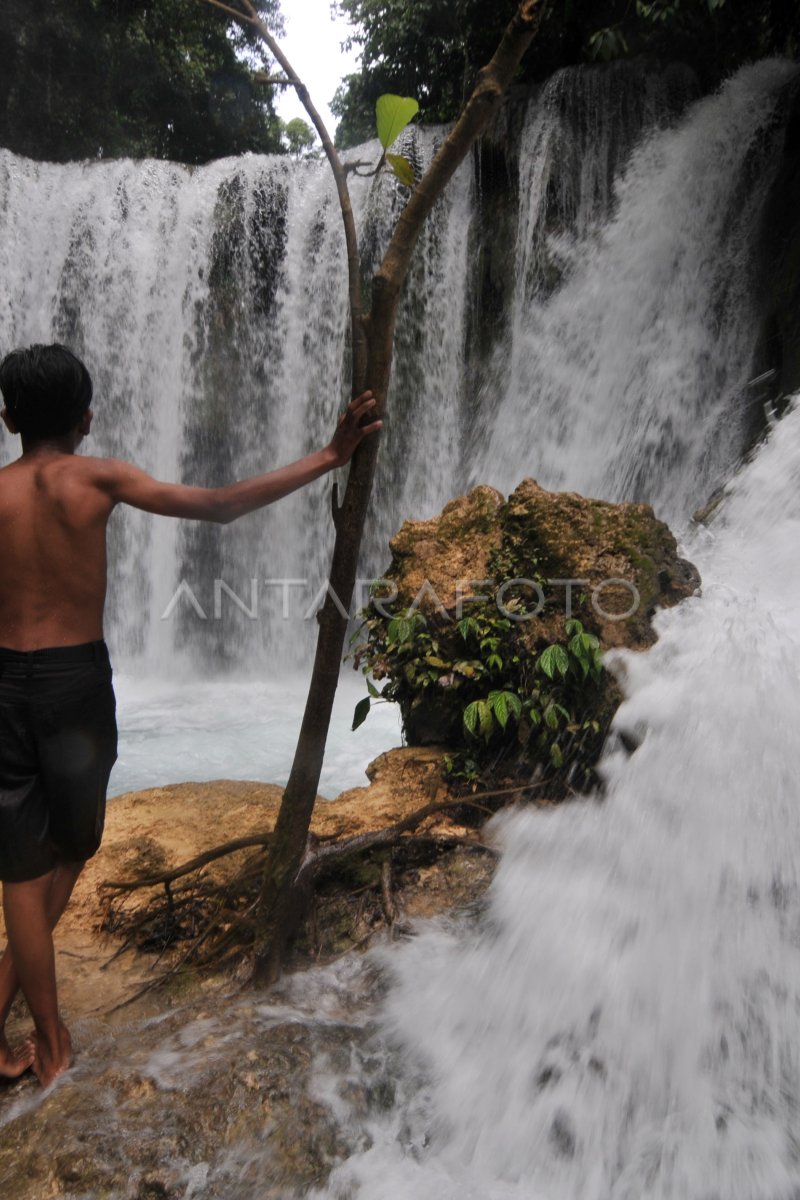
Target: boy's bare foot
(14,1063)
(50,1061)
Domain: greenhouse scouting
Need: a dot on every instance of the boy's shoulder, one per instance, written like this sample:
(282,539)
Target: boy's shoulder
(91,471)
(93,467)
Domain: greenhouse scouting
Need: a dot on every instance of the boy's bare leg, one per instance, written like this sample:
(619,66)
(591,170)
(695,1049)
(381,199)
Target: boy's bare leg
(32,910)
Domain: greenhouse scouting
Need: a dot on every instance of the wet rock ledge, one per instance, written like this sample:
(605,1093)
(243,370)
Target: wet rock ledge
(203,1085)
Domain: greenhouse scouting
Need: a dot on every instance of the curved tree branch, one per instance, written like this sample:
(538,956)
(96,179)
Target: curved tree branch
(232,12)
(251,18)
(242,843)
(289,863)
(480,108)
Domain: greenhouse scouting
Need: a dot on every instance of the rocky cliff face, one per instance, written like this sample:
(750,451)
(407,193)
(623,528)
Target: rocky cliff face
(779,349)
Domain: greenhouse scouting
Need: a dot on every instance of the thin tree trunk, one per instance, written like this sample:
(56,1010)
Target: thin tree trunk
(289,871)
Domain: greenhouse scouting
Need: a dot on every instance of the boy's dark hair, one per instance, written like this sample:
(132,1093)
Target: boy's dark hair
(46,389)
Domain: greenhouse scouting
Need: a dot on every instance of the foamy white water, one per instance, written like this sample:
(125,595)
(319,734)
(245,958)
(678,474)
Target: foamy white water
(629,382)
(624,1020)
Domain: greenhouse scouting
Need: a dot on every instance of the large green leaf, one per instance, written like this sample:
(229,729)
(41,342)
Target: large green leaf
(471,716)
(393,114)
(500,706)
(485,718)
(402,169)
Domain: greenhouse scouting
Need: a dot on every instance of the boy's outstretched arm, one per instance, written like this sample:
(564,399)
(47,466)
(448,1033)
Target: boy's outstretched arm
(127,484)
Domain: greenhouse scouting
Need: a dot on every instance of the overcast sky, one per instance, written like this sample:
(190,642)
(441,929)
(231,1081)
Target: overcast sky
(312,45)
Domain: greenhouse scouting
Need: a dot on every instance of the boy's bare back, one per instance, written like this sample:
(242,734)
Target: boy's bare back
(53,515)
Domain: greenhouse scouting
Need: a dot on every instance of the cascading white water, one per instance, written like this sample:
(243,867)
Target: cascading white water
(211,307)
(623,1023)
(629,381)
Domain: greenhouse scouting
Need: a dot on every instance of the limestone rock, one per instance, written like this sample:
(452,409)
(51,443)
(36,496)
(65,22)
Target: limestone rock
(618,557)
(430,558)
(554,556)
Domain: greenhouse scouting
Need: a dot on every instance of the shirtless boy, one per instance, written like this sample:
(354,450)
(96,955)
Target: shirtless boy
(58,733)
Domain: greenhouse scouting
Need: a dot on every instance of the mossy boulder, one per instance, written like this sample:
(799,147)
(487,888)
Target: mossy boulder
(626,559)
(487,589)
(619,554)
(431,558)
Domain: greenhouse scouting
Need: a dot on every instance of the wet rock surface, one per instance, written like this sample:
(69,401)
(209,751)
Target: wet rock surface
(200,1090)
(221,1098)
(778,354)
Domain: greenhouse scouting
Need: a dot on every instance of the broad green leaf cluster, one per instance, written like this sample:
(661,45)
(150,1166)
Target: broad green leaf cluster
(392,115)
(489,697)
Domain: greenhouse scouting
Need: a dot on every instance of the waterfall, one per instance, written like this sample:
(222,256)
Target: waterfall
(622,1021)
(210,305)
(211,308)
(628,380)
(619,1021)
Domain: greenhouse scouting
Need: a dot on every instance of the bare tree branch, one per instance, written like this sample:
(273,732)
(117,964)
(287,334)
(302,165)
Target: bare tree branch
(242,843)
(381,837)
(250,17)
(232,12)
(291,861)
(278,80)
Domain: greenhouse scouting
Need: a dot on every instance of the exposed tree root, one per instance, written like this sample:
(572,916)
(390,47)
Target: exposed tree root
(242,843)
(207,923)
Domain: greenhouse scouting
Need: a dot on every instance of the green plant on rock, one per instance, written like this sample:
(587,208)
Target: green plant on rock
(547,718)
(472,685)
(460,768)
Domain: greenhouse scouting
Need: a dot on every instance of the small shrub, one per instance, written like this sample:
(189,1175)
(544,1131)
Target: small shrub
(472,685)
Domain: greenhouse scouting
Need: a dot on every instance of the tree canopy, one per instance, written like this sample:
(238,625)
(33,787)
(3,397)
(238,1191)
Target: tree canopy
(107,78)
(300,137)
(433,49)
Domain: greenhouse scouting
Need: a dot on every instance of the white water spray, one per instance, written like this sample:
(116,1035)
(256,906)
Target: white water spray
(625,1020)
(211,308)
(629,381)
(210,305)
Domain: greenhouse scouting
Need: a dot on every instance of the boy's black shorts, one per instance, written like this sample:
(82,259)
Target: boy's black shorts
(58,743)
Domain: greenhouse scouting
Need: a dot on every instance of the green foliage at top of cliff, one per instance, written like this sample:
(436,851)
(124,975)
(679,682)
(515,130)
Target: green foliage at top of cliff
(111,78)
(433,49)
